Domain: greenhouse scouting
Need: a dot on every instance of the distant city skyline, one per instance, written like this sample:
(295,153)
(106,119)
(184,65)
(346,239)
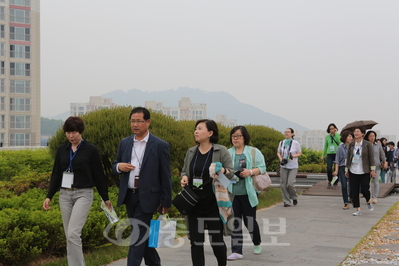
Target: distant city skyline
(186,109)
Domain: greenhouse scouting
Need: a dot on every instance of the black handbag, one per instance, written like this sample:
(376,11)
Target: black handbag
(186,200)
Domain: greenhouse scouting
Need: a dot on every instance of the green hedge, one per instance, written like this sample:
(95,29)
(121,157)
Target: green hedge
(26,230)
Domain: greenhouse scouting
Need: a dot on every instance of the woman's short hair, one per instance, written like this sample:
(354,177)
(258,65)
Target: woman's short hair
(211,126)
(328,128)
(345,134)
(74,123)
(368,134)
(244,132)
(362,129)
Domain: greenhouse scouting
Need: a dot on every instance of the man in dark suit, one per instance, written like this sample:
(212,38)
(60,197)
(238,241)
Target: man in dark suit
(145,185)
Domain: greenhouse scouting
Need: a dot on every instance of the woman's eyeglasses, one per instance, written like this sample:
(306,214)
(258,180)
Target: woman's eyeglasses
(236,136)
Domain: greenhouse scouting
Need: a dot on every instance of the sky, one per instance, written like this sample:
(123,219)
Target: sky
(311,62)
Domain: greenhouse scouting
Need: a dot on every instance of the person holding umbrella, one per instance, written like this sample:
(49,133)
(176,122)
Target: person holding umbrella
(360,166)
(331,144)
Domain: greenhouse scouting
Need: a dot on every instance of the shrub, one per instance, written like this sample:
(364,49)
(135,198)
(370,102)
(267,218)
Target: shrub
(21,162)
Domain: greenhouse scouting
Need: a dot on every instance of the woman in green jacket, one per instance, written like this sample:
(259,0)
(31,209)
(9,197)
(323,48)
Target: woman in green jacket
(331,144)
(248,161)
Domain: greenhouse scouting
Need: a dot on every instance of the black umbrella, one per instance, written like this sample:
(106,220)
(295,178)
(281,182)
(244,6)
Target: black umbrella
(367,124)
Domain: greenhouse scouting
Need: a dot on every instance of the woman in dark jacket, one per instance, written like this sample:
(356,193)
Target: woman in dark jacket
(77,169)
(196,174)
(360,166)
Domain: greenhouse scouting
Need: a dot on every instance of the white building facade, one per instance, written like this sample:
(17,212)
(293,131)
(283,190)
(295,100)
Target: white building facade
(19,73)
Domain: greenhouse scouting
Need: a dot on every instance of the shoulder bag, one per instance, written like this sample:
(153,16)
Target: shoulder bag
(260,181)
(187,199)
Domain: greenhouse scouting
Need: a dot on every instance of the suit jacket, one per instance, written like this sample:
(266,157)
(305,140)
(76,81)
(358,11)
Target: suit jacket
(155,176)
(367,156)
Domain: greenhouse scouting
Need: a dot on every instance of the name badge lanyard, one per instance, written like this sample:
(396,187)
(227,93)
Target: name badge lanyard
(288,150)
(356,157)
(71,156)
(140,160)
(203,168)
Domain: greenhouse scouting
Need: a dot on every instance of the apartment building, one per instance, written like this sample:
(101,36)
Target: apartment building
(222,119)
(19,73)
(185,111)
(95,103)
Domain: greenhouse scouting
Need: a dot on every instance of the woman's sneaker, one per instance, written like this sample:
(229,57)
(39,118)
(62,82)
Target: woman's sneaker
(235,256)
(257,249)
(370,206)
(357,213)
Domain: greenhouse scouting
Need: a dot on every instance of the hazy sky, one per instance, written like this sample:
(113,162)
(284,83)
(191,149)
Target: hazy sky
(312,62)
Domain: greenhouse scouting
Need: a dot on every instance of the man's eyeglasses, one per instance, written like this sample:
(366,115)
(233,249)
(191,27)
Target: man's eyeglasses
(236,136)
(136,121)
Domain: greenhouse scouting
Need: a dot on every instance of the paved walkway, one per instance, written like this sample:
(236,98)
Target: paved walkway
(317,232)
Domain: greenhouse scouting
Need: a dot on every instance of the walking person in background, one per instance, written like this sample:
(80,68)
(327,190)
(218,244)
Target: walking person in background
(331,143)
(245,196)
(384,170)
(196,174)
(288,152)
(340,158)
(77,169)
(379,158)
(360,166)
(390,177)
(145,187)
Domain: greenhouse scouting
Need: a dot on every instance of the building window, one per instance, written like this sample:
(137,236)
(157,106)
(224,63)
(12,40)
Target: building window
(20,69)
(19,139)
(2,121)
(20,86)
(19,16)
(20,51)
(2,15)
(1,139)
(20,104)
(2,85)
(19,122)
(2,34)
(20,2)
(20,34)
(2,68)
(2,103)
(2,49)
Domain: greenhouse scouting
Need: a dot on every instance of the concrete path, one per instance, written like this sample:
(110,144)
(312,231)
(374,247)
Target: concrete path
(315,232)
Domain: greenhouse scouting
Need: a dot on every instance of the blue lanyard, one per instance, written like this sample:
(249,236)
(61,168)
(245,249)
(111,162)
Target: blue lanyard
(358,150)
(72,155)
(196,157)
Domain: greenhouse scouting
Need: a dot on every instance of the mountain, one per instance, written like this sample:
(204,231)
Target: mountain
(216,102)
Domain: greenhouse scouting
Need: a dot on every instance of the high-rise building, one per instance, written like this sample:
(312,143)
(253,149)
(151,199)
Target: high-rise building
(96,103)
(19,73)
(185,111)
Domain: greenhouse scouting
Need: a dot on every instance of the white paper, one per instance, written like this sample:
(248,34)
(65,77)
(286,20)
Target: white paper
(334,179)
(223,180)
(67,180)
(111,215)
